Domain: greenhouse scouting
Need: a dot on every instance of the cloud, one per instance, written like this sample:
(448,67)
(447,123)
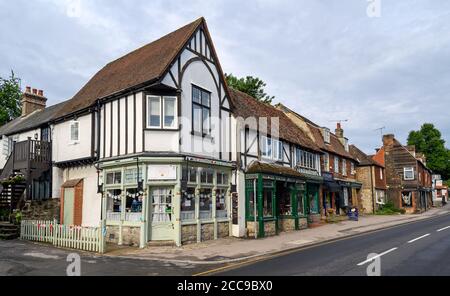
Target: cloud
(326,59)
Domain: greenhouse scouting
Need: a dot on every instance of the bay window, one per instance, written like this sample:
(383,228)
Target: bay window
(113,204)
(114,178)
(205,203)
(271,148)
(307,159)
(162,112)
(221,205)
(188,204)
(201,111)
(133,205)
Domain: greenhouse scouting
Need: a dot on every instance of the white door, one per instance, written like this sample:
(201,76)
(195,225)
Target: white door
(161,213)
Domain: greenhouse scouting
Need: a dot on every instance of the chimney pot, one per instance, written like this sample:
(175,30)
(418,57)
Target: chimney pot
(41,93)
(338,125)
(34,91)
(28,89)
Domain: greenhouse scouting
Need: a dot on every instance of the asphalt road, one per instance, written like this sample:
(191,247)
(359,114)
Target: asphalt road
(420,248)
(22,258)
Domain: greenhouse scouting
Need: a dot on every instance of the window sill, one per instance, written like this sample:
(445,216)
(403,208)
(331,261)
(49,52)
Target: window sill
(74,143)
(203,135)
(170,129)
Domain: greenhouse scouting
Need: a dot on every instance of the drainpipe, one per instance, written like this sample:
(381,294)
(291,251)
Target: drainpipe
(254,208)
(371,189)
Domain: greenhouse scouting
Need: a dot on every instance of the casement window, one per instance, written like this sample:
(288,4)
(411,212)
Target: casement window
(74,131)
(206,176)
(326,135)
(113,178)
(408,173)
(222,178)
(352,168)
(336,164)
(344,167)
(161,204)
(326,162)
(201,111)
(307,159)
(162,112)
(271,149)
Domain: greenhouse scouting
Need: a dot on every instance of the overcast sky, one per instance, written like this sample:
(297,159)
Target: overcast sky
(328,60)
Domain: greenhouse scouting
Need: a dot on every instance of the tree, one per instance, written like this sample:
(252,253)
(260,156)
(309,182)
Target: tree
(428,140)
(250,85)
(10,98)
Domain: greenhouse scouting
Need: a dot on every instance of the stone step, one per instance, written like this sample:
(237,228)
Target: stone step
(169,243)
(8,236)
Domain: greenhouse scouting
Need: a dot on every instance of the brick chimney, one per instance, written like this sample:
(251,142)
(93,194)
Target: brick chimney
(388,140)
(32,100)
(339,131)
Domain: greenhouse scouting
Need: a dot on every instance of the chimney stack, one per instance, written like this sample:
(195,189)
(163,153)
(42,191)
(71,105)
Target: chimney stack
(32,100)
(388,140)
(339,131)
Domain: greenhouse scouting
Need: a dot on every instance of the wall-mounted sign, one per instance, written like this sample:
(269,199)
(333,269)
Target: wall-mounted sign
(162,172)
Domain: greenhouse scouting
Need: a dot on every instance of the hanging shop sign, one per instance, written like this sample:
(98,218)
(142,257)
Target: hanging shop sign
(162,172)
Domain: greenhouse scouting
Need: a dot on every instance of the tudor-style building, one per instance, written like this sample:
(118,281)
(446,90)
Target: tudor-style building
(372,175)
(279,175)
(340,189)
(409,180)
(145,145)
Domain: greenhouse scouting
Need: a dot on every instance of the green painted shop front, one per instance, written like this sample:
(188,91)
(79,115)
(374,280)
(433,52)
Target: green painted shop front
(281,203)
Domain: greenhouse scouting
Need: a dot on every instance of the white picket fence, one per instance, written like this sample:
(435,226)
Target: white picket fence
(65,236)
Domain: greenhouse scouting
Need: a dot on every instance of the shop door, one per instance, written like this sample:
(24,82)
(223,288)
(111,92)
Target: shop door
(161,226)
(69,199)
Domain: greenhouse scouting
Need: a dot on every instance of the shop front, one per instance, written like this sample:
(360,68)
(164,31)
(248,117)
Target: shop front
(330,193)
(183,200)
(278,199)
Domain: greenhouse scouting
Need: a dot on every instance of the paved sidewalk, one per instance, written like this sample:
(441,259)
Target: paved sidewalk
(232,249)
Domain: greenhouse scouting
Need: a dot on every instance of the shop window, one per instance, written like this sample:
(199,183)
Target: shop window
(206,176)
(161,204)
(222,178)
(221,203)
(267,202)
(188,204)
(114,178)
(345,193)
(312,200)
(205,203)
(285,203)
(113,204)
(133,205)
(407,199)
(131,177)
(300,203)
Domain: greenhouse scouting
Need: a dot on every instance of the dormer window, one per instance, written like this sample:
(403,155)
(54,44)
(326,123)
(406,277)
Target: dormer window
(326,135)
(346,145)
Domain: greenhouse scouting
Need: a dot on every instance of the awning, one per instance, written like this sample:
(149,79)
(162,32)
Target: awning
(356,185)
(332,186)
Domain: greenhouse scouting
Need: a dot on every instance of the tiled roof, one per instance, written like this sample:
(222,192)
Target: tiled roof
(31,121)
(143,65)
(246,106)
(362,158)
(335,146)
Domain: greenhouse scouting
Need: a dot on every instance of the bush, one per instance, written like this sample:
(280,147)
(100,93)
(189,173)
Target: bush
(389,209)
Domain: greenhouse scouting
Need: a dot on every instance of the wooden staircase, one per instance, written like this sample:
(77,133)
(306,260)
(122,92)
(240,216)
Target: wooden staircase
(29,159)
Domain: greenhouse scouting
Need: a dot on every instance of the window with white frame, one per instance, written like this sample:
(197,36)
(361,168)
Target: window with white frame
(306,159)
(326,162)
(161,204)
(336,164)
(326,135)
(162,112)
(344,167)
(408,173)
(201,111)
(74,131)
(271,148)
(114,178)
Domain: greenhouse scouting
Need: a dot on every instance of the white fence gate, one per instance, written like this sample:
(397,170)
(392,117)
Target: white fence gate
(73,237)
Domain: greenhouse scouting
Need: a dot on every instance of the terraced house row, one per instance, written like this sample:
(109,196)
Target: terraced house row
(160,149)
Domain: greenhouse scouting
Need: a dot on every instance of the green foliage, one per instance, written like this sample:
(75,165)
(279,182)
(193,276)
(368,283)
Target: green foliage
(428,140)
(18,217)
(250,85)
(389,209)
(10,98)
(12,180)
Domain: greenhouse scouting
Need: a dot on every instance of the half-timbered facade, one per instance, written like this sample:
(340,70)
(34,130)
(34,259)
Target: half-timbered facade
(279,172)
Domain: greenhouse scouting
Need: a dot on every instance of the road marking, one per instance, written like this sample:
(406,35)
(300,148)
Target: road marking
(417,238)
(439,230)
(377,256)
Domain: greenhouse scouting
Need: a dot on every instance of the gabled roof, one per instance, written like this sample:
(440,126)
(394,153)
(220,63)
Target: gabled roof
(363,159)
(335,146)
(31,121)
(247,107)
(141,66)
